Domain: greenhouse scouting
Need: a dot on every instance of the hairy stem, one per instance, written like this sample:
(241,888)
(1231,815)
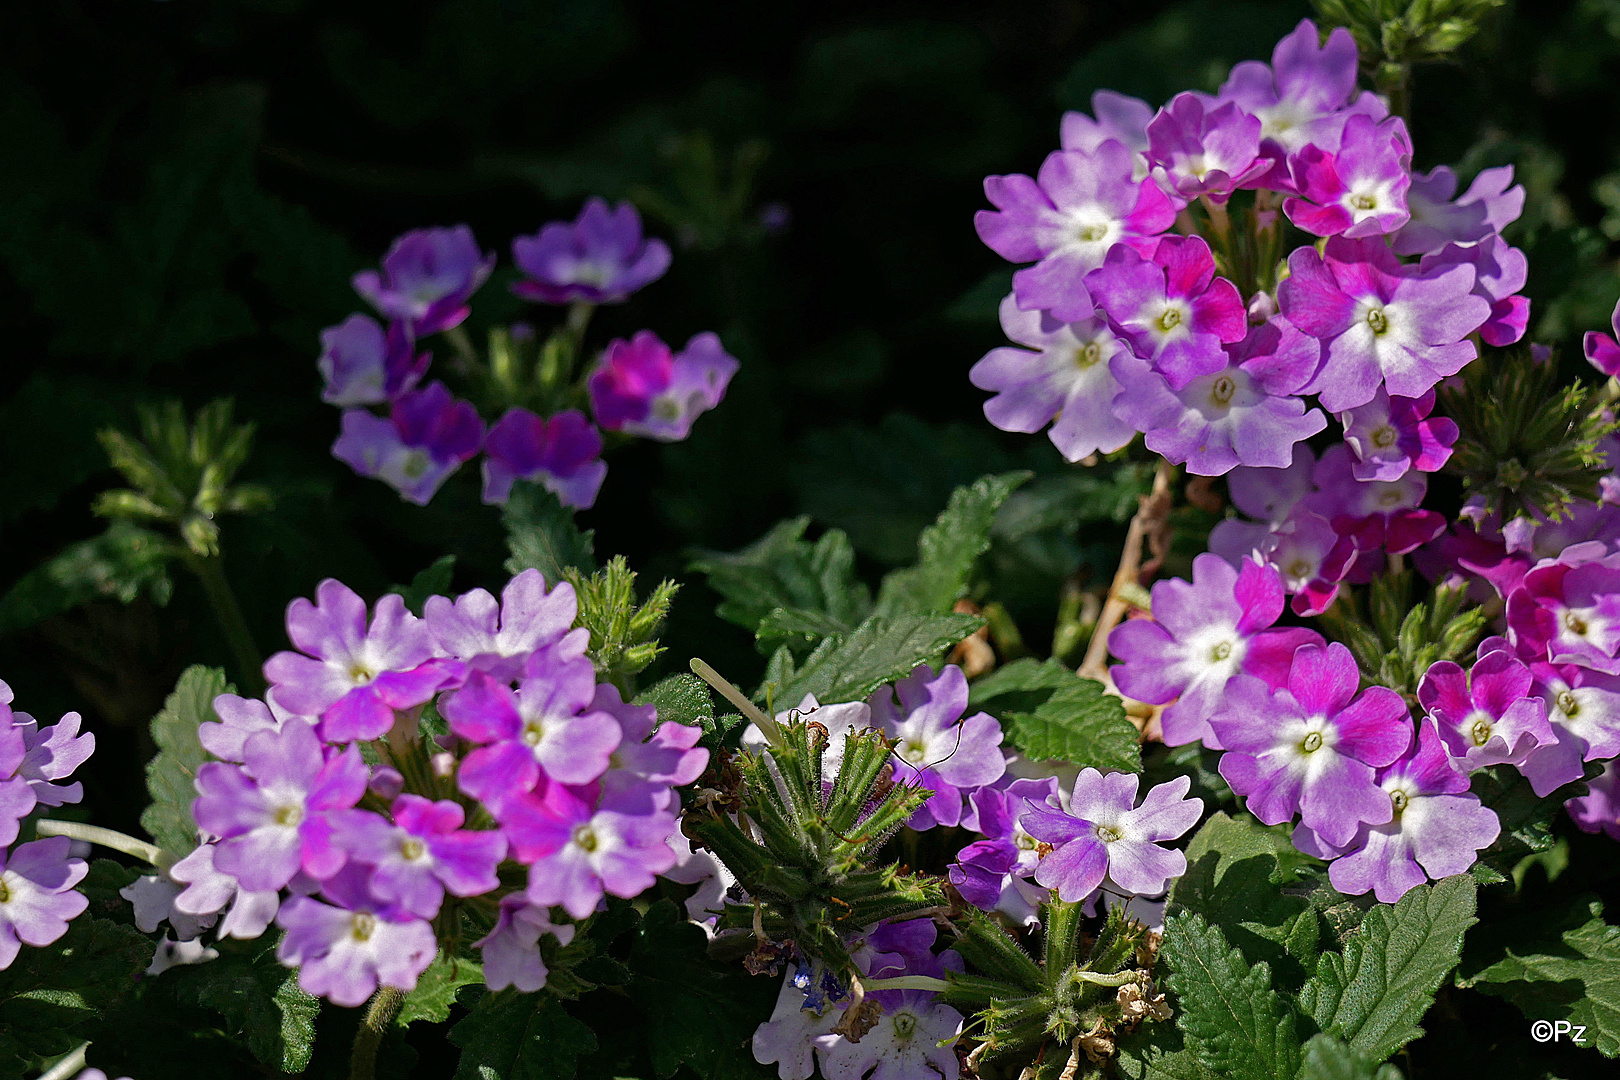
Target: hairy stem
(68,1067)
(379,1017)
(765,723)
(210,570)
(1148,516)
(107,838)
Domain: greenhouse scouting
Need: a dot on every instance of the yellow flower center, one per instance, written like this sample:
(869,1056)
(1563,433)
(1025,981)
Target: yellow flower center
(1087,354)
(1169,320)
(1221,392)
(1378,320)
(412,848)
(1312,743)
(363,925)
(1480,732)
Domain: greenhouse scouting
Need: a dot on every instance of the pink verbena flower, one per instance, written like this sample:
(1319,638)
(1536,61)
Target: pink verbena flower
(1371,515)
(1485,715)
(511,951)
(642,388)
(1583,707)
(1602,350)
(499,637)
(427,435)
(1500,271)
(1359,190)
(345,950)
(239,720)
(1305,95)
(1599,809)
(1199,149)
(1390,435)
(1118,117)
(652,758)
(426,279)
(993,873)
(51,754)
(936,746)
(599,258)
(562,454)
(422,854)
(1484,210)
(1569,613)
(1105,836)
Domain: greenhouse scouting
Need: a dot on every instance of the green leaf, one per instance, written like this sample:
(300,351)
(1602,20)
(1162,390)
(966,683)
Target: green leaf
(783,570)
(437,987)
(258,998)
(433,581)
(48,993)
(1081,724)
(1157,1051)
(698,1013)
(513,1036)
(1234,870)
(1236,1024)
(123,564)
(541,534)
(1568,968)
(1326,1058)
(1373,995)
(171,775)
(848,667)
(680,699)
(947,550)
(797,628)
(1525,817)
(1021,686)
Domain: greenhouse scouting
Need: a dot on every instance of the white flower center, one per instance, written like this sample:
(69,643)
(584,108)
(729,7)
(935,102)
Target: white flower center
(362,925)
(1108,833)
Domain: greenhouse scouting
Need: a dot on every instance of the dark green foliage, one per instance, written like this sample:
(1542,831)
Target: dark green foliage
(171,774)
(123,563)
(1230,1016)
(1081,724)
(784,575)
(947,550)
(513,1036)
(433,580)
(541,535)
(257,1000)
(1395,640)
(49,994)
(848,667)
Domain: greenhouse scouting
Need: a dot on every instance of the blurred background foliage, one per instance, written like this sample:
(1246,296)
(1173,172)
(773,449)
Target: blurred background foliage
(189,185)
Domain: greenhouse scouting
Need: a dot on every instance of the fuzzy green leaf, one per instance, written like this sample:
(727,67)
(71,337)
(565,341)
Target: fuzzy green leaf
(1021,686)
(513,1036)
(1231,1017)
(437,987)
(848,667)
(947,550)
(171,775)
(540,533)
(435,580)
(1157,1051)
(1082,725)
(48,993)
(123,564)
(1326,1058)
(1373,996)
(782,570)
(680,699)
(258,999)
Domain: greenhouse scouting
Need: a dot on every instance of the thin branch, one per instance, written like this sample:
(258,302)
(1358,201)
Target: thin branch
(1146,526)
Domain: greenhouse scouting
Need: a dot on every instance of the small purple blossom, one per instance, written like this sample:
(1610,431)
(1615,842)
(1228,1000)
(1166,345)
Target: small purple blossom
(51,754)
(1599,809)
(1105,836)
(652,757)
(1583,707)
(641,388)
(426,437)
(239,720)
(345,952)
(1372,515)
(601,258)
(1301,547)
(914,1038)
(1380,322)
(1305,94)
(1603,351)
(1310,747)
(1067,377)
(1500,272)
(17,796)
(562,454)
(577,853)
(1391,435)
(1485,715)
(1118,117)
(426,279)
(423,854)
(364,365)
(936,746)
(511,950)
(1569,613)
(208,891)
(1361,189)
(1170,307)
(1200,149)
(1484,210)
(992,873)
(37,900)
(499,636)
(797,1028)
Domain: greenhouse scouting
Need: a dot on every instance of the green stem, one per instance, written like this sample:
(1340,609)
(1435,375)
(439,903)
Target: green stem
(69,1066)
(107,838)
(763,721)
(210,570)
(385,1004)
(462,344)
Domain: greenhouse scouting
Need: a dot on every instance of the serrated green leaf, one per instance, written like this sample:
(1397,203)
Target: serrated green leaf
(513,1036)
(1326,1058)
(540,533)
(680,699)
(798,628)
(1231,1018)
(171,775)
(434,580)
(947,550)
(1373,995)
(848,667)
(1021,686)
(436,989)
(1083,725)
(1157,1051)
(258,999)
(782,570)
(123,563)
(1568,970)
(49,993)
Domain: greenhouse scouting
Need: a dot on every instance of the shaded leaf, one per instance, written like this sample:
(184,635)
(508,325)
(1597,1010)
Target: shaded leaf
(171,775)
(848,667)
(782,570)
(541,534)
(48,993)
(1232,1019)
(123,563)
(1081,724)
(513,1036)
(1326,1058)
(435,580)
(947,550)
(257,997)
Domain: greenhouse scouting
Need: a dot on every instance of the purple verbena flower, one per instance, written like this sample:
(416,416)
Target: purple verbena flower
(354,676)
(1569,613)
(511,951)
(912,1039)
(641,388)
(936,747)
(577,853)
(426,437)
(272,812)
(1583,707)
(51,754)
(601,258)
(1305,95)
(1105,836)
(1485,715)
(37,900)
(239,720)
(1372,514)
(1484,210)
(1311,746)
(208,891)
(364,365)
(427,277)
(17,796)
(1118,117)
(1500,272)
(652,757)
(992,873)
(1200,149)
(1603,351)
(1390,435)
(1067,377)
(797,1028)
(1170,307)
(1599,809)
(562,454)
(345,952)
(422,854)
(499,636)
(1302,547)
(1380,322)
(1361,189)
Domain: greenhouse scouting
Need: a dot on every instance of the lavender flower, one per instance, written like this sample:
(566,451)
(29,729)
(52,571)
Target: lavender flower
(51,754)
(1584,708)
(345,952)
(1391,435)
(1306,94)
(1067,377)
(1372,514)
(937,747)
(422,855)
(1361,189)
(562,454)
(1118,117)
(1500,272)
(363,365)
(239,720)
(652,758)
(1569,613)
(795,1030)
(1485,715)
(1310,747)
(499,637)
(578,852)
(1599,809)
(993,873)
(913,1039)
(427,277)
(208,891)
(426,437)
(1484,210)
(511,951)
(1379,321)
(1205,150)
(641,388)
(599,259)
(1105,836)
(36,894)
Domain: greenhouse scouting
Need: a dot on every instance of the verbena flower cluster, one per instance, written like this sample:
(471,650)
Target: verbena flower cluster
(414,435)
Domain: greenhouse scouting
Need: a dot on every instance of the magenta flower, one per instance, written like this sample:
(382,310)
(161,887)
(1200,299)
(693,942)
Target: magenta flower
(427,277)
(1599,809)
(1392,435)
(1205,150)
(1602,351)
(1310,747)
(652,758)
(344,953)
(1500,272)
(1301,548)
(1171,308)
(363,365)
(353,676)
(562,454)
(511,950)
(423,854)
(1067,377)
(1201,635)
(51,754)
(1436,828)
(641,388)
(273,812)
(1361,189)
(1485,715)
(37,900)
(576,853)
(599,259)
(1118,117)
(545,727)
(1306,93)
(1484,210)
(426,437)
(992,873)
(1379,321)
(1569,613)
(1584,708)
(1069,217)
(1105,836)
(499,637)
(936,746)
